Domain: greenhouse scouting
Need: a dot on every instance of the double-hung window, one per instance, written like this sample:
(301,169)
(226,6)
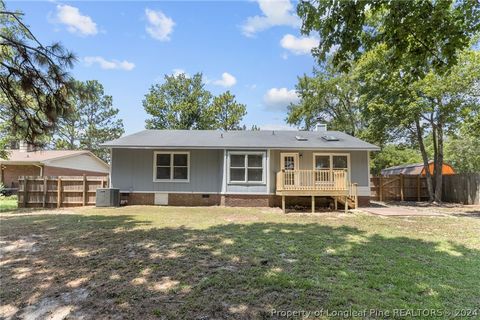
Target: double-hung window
(171,166)
(246,167)
(330,161)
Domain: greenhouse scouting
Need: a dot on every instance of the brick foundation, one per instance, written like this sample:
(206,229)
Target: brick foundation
(138,198)
(364,201)
(234,200)
(193,199)
(240,200)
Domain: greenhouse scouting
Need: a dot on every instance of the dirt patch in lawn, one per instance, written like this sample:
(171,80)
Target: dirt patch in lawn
(127,265)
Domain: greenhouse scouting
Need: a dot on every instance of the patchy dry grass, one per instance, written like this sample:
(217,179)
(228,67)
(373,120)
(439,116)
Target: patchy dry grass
(217,263)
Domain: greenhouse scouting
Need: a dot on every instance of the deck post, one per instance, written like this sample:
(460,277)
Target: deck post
(335,201)
(283,204)
(313,204)
(346,204)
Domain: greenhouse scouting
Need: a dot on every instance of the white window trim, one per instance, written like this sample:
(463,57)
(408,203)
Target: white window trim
(171,153)
(331,161)
(264,168)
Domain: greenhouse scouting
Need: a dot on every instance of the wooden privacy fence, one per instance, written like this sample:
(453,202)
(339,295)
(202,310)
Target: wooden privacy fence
(463,188)
(399,188)
(460,188)
(62,191)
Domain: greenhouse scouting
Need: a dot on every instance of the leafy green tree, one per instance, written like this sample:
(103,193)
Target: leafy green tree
(34,85)
(226,112)
(93,121)
(408,41)
(393,155)
(430,106)
(462,151)
(330,97)
(181,102)
(418,34)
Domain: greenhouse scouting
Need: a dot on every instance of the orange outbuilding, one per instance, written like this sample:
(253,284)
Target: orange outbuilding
(416,169)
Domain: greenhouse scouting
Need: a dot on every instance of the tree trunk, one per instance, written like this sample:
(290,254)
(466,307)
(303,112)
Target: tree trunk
(435,150)
(425,160)
(439,162)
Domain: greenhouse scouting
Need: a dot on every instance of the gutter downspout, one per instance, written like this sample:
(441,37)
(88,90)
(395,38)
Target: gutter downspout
(41,169)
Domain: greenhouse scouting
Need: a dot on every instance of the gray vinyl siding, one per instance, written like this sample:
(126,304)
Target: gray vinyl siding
(132,170)
(358,163)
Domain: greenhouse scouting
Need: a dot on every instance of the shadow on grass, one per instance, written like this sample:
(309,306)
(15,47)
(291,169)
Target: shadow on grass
(470,214)
(105,266)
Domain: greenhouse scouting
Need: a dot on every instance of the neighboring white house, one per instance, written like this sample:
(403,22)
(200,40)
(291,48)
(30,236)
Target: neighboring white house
(26,162)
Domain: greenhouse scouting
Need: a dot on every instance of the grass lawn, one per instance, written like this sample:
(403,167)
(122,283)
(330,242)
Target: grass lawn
(8,203)
(218,263)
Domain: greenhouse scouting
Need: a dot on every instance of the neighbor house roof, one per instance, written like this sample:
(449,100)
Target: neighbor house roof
(415,169)
(211,139)
(39,157)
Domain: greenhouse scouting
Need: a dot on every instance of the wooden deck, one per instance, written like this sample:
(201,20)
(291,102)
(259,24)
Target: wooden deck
(328,183)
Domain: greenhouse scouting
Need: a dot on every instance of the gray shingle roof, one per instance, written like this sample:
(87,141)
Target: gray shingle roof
(215,139)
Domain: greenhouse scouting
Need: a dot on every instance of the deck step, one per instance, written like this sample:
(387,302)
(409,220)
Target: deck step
(350,201)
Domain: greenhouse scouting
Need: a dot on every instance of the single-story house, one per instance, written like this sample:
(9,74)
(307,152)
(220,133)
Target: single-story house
(28,162)
(416,169)
(240,168)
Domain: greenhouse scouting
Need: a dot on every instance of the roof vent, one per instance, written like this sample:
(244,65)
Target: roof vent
(329,138)
(300,138)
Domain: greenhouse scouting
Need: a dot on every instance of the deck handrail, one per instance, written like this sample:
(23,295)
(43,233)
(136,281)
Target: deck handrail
(323,179)
(353,193)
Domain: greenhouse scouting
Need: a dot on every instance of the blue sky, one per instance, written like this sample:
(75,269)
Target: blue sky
(252,48)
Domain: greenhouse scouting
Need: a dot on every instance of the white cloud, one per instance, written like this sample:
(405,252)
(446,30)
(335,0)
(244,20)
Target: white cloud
(109,64)
(298,45)
(275,13)
(277,99)
(75,21)
(159,25)
(227,80)
(176,72)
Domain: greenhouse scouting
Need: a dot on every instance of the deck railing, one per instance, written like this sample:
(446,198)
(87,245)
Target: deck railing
(315,180)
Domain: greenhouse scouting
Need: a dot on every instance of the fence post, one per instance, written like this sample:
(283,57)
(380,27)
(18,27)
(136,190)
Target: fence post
(84,196)
(401,187)
(25,191)
(380,187)
(44,202)
(59,192)
(418,188)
